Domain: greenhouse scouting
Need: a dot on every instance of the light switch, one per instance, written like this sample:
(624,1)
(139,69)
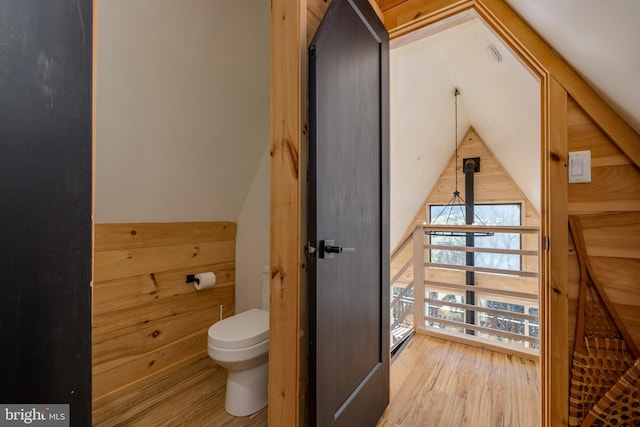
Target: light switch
(579,166)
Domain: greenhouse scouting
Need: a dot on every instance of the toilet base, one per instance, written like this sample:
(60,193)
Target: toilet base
(247,390)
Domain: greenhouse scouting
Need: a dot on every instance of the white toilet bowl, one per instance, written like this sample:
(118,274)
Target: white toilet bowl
(240,344)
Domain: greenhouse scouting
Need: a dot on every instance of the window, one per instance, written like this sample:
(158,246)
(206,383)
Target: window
(490,214)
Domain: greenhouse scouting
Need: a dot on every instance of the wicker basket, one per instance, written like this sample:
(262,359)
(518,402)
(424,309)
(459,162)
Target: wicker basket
(605,359)
(594,373)
(620,406)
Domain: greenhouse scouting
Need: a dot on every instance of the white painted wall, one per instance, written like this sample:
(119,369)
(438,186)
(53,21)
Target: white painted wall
(500,100)
(183,120)
(422,128)
(252,241)
(182,107)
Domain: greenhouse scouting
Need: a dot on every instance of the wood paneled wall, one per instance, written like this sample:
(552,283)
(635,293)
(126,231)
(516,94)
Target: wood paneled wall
(147,321)
(492,185)
(610,215)
(558,79)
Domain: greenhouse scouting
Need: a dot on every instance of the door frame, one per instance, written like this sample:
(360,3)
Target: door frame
(288,145)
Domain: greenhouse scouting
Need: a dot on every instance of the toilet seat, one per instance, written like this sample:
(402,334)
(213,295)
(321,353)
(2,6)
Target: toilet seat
(242,330)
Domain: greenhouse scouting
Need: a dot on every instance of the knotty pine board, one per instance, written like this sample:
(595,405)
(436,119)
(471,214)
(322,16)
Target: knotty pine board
(147,321)
(436,382)
(609,209)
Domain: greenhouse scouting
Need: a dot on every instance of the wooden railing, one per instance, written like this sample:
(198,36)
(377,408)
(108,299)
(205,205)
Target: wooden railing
(506,300)
(401,293)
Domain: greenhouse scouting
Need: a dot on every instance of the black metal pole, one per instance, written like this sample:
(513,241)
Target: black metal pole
(470,167)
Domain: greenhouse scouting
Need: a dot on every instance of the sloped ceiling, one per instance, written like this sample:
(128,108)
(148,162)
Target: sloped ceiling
(501,100)
(599,39)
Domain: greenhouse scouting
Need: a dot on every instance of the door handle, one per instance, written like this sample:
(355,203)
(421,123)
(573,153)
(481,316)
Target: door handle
(328,249)
(337,249)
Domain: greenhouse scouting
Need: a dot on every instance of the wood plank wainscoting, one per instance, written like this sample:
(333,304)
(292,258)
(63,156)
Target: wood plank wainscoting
(150,327)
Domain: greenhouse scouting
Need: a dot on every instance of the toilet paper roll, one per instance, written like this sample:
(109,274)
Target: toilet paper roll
(204,280)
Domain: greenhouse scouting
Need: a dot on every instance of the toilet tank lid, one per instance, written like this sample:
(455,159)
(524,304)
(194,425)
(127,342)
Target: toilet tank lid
(241,330)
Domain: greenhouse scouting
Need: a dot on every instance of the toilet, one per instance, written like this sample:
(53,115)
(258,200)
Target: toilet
(240,343)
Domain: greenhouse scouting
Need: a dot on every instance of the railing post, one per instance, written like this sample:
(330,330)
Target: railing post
(418,278)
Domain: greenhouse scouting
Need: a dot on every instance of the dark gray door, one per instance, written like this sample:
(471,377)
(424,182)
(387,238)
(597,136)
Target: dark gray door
(348,218)
(45,205)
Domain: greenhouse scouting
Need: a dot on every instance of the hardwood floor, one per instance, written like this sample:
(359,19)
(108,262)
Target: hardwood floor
(434,383)
(438,383)
(193,396)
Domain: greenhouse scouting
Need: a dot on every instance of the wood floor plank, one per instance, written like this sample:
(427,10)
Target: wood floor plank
(435,382)
(191,396)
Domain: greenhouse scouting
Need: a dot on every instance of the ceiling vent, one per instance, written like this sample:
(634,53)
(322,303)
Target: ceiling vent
(494,53)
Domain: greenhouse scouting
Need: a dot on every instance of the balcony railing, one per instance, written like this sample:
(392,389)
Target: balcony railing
(401,294)
(503,299)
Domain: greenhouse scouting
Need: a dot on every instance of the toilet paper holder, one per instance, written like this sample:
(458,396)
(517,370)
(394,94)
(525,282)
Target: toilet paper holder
(192,278)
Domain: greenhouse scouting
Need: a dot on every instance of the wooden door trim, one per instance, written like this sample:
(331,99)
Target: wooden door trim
(288,123)
(557,78)
(555,75)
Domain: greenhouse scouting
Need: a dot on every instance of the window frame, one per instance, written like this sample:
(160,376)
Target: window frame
(520,203)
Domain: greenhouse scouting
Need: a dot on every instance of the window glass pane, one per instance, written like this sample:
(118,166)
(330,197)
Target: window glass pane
(444,310)
(498,214)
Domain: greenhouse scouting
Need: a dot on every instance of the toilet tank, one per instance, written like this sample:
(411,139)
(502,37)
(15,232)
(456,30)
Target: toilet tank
(266,280)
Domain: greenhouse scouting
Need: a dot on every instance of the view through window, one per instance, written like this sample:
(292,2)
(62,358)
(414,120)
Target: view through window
(498,214)
(448,305)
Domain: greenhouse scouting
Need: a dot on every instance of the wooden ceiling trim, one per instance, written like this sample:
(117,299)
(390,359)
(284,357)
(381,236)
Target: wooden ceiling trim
(388,4)
(414,14)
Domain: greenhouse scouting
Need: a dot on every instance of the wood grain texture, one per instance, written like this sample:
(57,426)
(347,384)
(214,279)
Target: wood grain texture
(288,118)
(116,264)
(148,235)
(610,217)
(586,269)
(474,341)
(442,383)
(140,290)
(612,241)
(492,185)
(192,395)
(613,234)
(402,17)
(554,298)
(147,321)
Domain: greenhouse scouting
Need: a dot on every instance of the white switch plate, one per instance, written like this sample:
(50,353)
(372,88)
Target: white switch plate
(579,166)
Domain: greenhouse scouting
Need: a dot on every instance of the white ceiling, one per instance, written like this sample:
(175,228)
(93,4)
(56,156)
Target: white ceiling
(500,100)
(599,39)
